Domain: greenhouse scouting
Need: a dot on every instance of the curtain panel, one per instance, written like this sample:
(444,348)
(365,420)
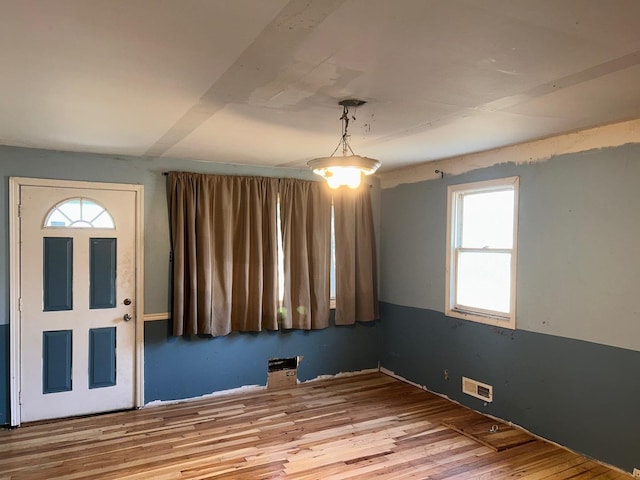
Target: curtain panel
(355,256)
(305,217)
(224,242)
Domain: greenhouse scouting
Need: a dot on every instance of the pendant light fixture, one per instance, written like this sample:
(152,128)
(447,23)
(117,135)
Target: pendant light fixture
(346,169)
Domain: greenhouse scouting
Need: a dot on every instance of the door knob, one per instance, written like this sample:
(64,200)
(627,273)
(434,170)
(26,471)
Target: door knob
(127,317)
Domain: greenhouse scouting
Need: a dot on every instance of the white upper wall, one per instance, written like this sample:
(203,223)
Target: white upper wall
(578,268)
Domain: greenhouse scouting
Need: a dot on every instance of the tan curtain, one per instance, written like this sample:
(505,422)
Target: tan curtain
(224,241)
(305,210)
(355,254)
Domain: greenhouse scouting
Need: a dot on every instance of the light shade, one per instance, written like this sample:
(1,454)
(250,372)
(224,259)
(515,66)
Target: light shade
(346,170)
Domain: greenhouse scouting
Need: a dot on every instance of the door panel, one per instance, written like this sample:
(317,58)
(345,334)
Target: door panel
(58,273)
(102,272)
(77,349)
(102,357)
(56,361)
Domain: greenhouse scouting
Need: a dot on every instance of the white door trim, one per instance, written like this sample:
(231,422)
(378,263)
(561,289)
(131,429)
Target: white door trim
(15,183)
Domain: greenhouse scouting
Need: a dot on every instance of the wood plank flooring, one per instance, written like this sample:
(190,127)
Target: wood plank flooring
(496,435)
(367,426)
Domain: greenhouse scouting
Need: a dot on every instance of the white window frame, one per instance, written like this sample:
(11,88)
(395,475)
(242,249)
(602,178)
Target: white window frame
(454,219)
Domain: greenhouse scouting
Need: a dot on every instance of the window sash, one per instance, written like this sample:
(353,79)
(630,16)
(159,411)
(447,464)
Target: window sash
(472,308)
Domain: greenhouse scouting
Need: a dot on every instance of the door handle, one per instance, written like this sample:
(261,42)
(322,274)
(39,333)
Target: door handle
(127,317)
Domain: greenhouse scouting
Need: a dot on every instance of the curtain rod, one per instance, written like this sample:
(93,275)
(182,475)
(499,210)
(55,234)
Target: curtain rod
(167,173)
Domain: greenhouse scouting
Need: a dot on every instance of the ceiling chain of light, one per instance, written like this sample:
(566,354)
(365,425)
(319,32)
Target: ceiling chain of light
(349,169)
(344,140)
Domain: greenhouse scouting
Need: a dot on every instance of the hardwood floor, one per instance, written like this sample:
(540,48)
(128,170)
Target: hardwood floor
(359,427)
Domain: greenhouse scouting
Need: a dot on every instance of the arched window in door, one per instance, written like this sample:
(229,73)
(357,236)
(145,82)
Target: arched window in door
(79,212)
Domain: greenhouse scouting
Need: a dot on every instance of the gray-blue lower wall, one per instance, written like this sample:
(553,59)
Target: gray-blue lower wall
(4,374)
(184,367)
(579,394)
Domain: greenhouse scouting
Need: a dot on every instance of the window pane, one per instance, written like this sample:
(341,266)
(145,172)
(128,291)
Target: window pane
(332,266)
(90,210)
(71,208)
(80,224)
(103,220)
(487,219)
(483,280)
(57,219)
(280,255)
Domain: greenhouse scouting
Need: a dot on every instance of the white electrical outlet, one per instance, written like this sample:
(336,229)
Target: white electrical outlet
(636,473)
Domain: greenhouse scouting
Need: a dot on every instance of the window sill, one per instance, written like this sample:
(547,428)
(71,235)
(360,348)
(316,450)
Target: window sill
(487,319)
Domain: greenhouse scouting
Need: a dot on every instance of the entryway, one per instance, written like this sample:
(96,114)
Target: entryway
(77,298)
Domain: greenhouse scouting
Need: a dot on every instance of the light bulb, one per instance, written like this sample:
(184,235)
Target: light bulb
(333,181)
(352,180)
(349,176)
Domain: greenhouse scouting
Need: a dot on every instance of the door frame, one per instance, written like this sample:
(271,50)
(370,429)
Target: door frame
(15,184)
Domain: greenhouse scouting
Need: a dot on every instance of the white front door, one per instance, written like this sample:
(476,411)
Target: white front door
(77,305)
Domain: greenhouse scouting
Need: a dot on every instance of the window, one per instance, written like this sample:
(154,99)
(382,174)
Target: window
(79,213)
(481,251)
(332,267)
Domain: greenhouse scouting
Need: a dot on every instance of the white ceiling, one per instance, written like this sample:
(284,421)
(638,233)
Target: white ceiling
(258,81)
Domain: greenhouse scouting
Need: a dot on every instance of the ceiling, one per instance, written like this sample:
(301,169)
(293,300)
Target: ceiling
(258,81)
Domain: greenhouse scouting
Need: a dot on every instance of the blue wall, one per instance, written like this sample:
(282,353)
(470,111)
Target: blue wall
(580,394)
(179,368)
(571,370)
(186,367)
(4,374)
